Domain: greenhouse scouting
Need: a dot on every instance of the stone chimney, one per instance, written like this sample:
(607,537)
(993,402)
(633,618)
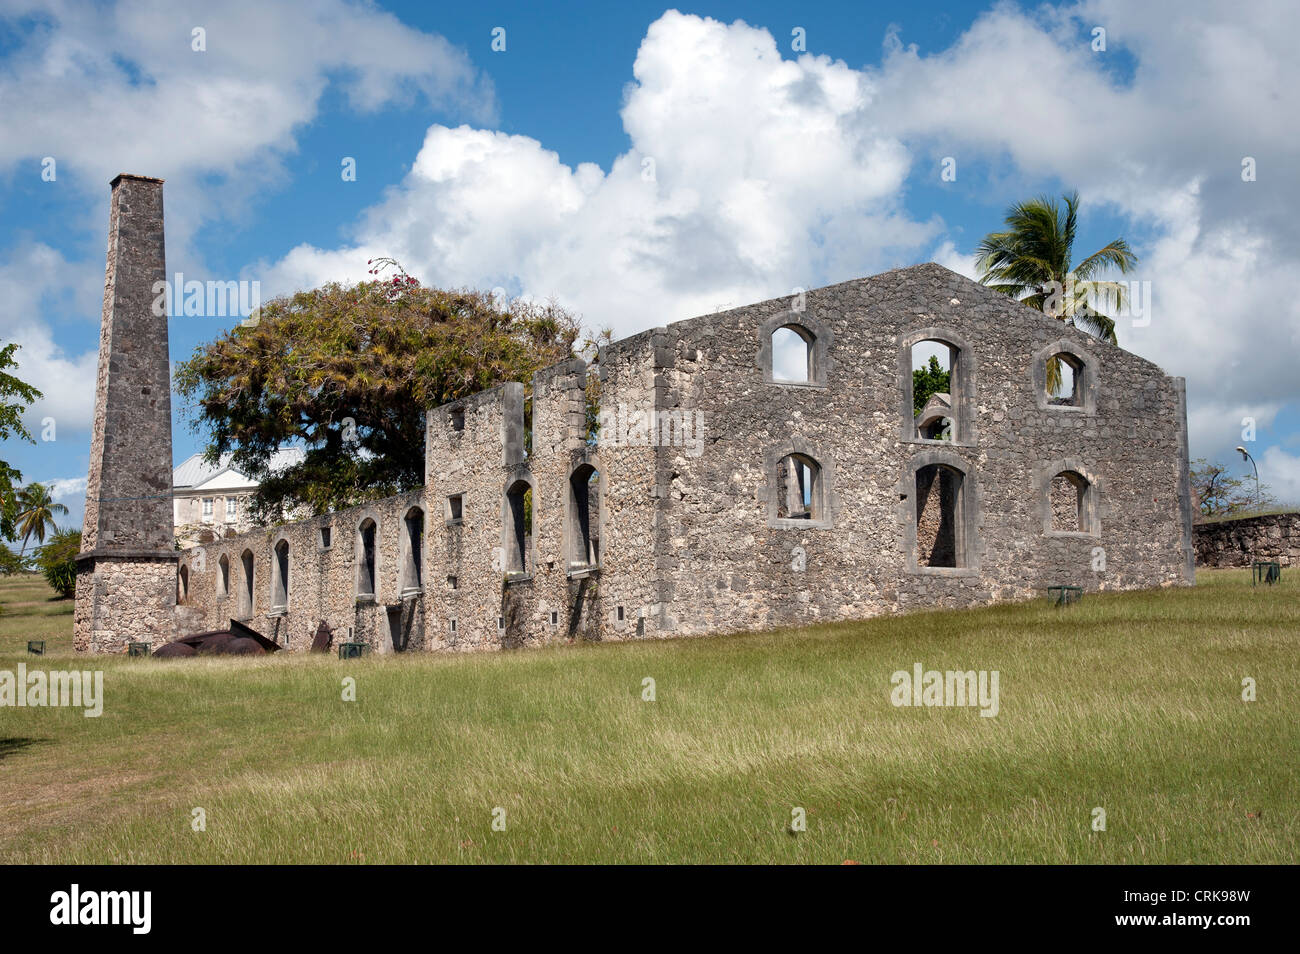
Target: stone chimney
(126,572)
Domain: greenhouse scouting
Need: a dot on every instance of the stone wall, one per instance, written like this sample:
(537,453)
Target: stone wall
(323,580)
(693,507)
(1274,537)
(733,566)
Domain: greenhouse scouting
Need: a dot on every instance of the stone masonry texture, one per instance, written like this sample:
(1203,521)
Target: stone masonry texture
(691,534)
(716,497)
(126,572)
(1274,537)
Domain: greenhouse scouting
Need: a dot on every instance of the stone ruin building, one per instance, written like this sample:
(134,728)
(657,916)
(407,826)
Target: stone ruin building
(718,496)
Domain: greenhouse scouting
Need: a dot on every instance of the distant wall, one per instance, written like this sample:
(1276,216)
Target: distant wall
(1275,536)
(214,588)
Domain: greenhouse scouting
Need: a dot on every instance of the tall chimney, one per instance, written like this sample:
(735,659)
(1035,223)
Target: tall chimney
(126,572)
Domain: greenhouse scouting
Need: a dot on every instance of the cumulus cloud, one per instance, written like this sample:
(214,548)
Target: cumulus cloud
(750,174)
(109,88)
(103,89)
(33,279)
(66,488)
(1280,470)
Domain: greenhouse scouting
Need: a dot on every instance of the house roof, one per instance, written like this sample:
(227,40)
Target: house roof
(194,471)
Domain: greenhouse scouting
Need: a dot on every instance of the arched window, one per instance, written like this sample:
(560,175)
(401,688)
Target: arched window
(280,577)
(183,584)
(798,496)
(800,487)
(939,529)
(792,355)
(1063,380)
(246,590)
(794,348)
(1065,377)
(796,485)
(939,507)
(412,550)
(518,528)
(1070,504)
(223,577)
(935,385)
(584,518)
(365,559)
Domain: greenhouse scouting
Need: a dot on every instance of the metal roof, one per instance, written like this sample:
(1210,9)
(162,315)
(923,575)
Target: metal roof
(194,470)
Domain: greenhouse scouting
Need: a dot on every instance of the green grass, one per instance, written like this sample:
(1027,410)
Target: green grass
(1130,702)
(29,609)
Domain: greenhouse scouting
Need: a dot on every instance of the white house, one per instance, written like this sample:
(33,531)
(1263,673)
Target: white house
(214,498)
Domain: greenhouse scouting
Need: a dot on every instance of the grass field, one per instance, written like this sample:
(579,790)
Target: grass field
(1128,702)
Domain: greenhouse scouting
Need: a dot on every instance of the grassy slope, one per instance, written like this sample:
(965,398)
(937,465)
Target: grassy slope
(1131,702)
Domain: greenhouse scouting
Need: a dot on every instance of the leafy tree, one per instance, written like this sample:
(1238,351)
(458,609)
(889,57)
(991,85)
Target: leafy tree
(10,562)
(927,382)
(1219,494)
(15,397)
(58,561)
(36,510)
(1032,261)
(349,371)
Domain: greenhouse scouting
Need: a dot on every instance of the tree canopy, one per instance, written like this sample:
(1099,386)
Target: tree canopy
(927,382)
(1219,494)
(15,397)
(36,510)
(348,371)
(1032,260)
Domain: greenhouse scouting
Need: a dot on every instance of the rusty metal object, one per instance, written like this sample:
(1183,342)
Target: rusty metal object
(238,640)
(175,651)
(323,639)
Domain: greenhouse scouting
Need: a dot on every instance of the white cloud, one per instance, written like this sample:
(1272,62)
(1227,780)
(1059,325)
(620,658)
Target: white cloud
(35,277)
(105,89)
(1280,471)
(119,88)
(748,175)
(63,489)
(1164,150)
(949,257)
(772,173)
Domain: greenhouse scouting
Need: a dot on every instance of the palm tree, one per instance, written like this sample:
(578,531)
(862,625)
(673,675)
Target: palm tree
(1031,261)
(36,510)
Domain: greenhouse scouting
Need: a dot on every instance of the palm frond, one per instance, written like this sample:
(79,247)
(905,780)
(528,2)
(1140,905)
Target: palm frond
(1115,254)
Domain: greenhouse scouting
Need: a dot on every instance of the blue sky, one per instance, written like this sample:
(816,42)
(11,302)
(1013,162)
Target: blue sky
(775,167)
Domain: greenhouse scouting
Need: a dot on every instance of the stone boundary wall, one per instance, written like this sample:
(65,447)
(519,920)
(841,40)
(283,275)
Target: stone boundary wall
(1224,543)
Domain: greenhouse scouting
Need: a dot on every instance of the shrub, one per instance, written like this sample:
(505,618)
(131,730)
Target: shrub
(58,561)
(10,562)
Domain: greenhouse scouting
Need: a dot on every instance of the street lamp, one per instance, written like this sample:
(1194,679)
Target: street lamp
(1245,455)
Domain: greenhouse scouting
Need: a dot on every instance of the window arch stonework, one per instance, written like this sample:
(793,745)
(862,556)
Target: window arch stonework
(818,336)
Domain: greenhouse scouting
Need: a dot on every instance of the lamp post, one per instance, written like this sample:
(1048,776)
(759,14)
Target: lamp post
(1245,455)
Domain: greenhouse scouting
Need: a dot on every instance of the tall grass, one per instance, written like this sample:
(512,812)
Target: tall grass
(1131,703)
